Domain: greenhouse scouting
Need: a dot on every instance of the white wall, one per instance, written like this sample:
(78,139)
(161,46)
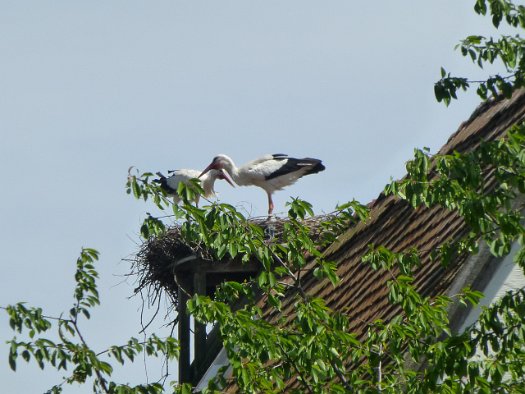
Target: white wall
(508,276)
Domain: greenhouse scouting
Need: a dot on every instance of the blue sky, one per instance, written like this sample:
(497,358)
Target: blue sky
(91,88)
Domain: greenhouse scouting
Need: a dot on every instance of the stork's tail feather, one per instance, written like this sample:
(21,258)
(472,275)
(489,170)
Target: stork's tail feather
(315,165)
(164,183)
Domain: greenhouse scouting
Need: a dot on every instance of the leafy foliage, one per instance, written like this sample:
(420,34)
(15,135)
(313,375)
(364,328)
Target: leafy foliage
(71,350)
(508,50)
(459,182)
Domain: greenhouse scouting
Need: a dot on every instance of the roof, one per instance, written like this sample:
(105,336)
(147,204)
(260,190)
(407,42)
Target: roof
(394,224)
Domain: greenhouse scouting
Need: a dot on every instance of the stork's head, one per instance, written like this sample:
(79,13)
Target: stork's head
(208,181)
(220,162)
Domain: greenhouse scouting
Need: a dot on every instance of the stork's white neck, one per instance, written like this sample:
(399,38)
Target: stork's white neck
(207,182)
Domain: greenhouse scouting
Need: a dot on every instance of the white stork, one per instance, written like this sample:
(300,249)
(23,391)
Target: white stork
(270,172)
(171,183)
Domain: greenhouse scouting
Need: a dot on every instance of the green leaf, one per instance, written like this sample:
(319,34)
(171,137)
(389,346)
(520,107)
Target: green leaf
(12,360)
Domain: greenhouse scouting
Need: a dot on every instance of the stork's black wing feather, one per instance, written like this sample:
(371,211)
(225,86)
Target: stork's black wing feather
(164,184)
(313,166)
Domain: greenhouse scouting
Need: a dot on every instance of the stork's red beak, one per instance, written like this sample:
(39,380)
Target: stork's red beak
(210,167)
(226,177)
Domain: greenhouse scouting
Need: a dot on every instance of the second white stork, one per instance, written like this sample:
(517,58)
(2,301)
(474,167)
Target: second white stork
(269,172)
(170,184)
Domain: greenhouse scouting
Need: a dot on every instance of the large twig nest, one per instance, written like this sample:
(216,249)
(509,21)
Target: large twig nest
(154,263)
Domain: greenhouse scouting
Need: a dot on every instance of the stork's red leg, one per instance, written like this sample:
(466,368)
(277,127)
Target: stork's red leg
(270,204)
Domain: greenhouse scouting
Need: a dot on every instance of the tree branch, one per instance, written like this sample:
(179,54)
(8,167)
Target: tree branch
(297,371)
(97,372)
